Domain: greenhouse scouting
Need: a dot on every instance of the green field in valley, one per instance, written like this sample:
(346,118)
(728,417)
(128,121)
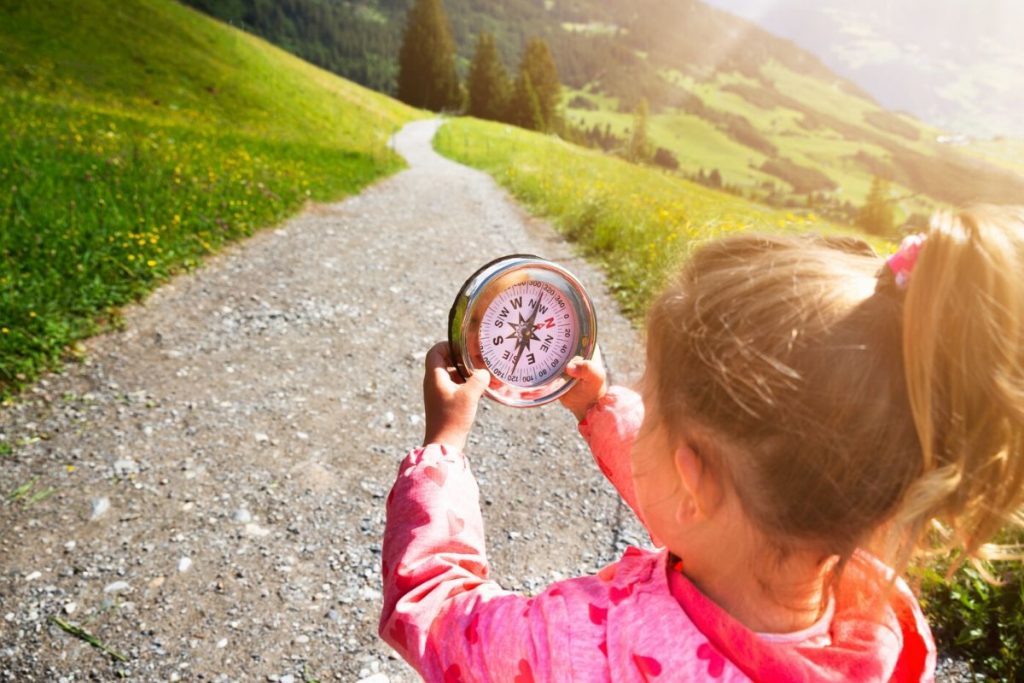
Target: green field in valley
(700,145)
(637,221)
(139,137)
(809,123)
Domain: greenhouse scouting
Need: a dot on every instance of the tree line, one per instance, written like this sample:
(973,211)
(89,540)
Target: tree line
(427,76)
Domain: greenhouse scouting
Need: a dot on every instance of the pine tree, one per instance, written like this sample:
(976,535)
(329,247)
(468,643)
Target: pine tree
(524,108)
(426,62)
(488,82)
(877,215)
(639,149)
(538,63)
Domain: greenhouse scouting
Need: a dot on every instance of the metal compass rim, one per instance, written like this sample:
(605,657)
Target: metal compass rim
(482,287)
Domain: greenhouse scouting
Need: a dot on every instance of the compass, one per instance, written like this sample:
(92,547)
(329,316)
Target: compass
(522,318)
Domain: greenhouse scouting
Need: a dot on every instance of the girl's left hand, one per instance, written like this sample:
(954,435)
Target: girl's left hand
(449,402)
(591,384)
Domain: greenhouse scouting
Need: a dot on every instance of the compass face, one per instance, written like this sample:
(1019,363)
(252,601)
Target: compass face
(522,318)
(528,334)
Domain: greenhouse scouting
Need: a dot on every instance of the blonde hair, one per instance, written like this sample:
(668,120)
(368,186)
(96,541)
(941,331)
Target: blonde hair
(853,410)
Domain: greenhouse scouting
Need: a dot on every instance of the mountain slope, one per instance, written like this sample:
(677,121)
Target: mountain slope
(725,94)
(139,137)
(958,65)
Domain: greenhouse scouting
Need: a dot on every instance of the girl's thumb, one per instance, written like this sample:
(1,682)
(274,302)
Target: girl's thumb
(480,379)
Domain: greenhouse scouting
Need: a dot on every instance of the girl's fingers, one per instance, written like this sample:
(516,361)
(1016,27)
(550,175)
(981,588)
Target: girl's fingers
(584,370)
(443,373)
(439,355)
(478,382)
(438,366)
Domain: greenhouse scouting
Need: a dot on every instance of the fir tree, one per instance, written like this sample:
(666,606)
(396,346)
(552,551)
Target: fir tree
(540,66)
(877,215)
(524,108)
(639,149)
(426,62)
(488,82)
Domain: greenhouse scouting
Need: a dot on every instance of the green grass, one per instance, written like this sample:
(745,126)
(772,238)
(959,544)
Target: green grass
(138,138)
(699,144)
(638,222)
(696,143)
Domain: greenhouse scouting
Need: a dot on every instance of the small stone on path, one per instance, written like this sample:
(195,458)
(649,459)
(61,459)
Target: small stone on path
(124,467)
(253,529)
(100,506)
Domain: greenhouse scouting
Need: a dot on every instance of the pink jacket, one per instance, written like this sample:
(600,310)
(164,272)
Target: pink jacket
(636,620)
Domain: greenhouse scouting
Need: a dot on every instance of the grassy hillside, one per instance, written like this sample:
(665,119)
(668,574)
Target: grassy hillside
(829,133)
(777,124)
(951,63)
(138,137)
(638,222)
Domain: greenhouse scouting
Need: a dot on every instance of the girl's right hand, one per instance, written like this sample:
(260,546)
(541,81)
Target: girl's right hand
(449,401)
(591,384)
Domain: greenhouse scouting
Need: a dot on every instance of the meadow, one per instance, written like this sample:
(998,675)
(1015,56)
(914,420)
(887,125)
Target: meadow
(136,141)
(639,222)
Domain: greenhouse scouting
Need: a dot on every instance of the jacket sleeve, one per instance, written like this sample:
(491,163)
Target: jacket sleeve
(441,611)
(610,428)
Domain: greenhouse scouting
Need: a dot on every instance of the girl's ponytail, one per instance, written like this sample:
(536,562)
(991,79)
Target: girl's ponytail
(963,351)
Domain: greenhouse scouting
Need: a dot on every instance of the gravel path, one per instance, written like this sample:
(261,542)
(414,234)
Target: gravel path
(218,468)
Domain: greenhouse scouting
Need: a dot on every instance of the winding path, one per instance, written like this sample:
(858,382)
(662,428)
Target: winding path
(219,466)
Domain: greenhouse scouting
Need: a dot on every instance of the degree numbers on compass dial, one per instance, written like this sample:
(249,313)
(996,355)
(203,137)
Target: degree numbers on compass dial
(528,334)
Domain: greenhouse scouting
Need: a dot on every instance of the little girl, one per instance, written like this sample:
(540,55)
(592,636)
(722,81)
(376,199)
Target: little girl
(806,410)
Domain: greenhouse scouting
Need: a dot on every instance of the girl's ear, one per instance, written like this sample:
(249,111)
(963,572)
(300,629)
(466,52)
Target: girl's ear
(699,482)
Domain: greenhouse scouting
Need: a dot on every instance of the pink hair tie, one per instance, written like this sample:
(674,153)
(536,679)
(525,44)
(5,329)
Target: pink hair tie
(901,264)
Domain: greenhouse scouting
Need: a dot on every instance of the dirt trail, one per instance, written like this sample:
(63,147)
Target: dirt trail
(219,466)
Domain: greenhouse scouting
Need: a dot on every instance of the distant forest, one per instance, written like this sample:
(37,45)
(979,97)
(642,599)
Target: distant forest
(360,40)
(357,43)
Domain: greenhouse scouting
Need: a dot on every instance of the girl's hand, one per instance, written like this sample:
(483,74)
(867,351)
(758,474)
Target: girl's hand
(449,402)
(591,384)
